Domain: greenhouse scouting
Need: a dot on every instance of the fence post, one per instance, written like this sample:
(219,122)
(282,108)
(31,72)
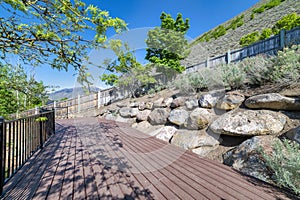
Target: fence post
(36,110)
(2,152)
(282,38)
(53,121)
(41,131)
(207,62)
(78,103)
(99,99)
(228,56)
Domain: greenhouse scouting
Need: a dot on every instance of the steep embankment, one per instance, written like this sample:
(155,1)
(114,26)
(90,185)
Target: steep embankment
(200,51)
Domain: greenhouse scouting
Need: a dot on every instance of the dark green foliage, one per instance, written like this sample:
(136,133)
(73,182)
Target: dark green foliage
(266,33)
(218,32)
(167,44)
(288,22)
(249,39)
(235,23)
(252,16)
(267,6)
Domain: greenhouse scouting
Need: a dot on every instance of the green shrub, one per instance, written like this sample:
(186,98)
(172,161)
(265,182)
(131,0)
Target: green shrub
(252,16)
(259,10)
(218,32)
(266,33)
(249,39)
(286,66)
(284,161)
(237,22)
(190,83)
(233,75)
(288,22)
(257,70)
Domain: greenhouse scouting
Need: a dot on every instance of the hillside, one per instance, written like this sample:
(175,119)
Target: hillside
(200,51)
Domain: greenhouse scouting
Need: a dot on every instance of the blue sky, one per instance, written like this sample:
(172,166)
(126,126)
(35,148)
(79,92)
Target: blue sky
(203,14)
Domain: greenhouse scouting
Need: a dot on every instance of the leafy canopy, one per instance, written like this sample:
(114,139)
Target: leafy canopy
(167,44)
(19,92)
(51,32)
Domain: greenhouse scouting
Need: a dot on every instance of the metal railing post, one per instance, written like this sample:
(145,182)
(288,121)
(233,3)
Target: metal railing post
(2,152)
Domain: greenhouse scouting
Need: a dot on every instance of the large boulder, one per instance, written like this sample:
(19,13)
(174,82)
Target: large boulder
(294,134)
(158,103)
(178,116)
(167,102)
(210,99)
(274,101)
(191,103)
(159,116)
(128,112)
(199,119)
(247,157)
(249,123)
(144,125)
(230,101)
(194,139)
(143,115)
(164,133)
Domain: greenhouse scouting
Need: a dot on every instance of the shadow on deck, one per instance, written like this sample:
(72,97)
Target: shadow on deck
(97,159)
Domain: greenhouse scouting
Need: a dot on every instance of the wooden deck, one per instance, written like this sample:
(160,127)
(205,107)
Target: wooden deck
(97,159)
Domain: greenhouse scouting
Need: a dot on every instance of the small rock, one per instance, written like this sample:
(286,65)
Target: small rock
(167,102)
(210,100)
(165,133)
(249,123)
(230,101)
(194,139)
(179,101)
(149,106)
(294,134)
(143,115)
(141,126)
(159,116)
(121,104)
(178,116)
(198,119)
(191,104)
(142,106)
(292,91)
(158,103)
(134,105)
(128,112)
(274,101)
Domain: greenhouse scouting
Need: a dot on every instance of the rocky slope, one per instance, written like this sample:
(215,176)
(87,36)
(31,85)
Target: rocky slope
(229,127)
(201,51)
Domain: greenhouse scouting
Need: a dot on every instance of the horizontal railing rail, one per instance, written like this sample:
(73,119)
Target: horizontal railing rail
(20,138)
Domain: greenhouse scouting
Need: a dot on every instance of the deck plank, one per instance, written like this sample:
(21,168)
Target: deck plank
(92,158)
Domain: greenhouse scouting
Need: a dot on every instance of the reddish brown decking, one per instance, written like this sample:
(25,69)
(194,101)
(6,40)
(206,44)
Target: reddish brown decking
(91,159)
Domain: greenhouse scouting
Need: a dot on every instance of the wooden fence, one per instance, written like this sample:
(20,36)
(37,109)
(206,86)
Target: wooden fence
(80,104)
(19,139)
(268,46)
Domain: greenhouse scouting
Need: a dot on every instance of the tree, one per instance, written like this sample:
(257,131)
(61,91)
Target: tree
(167,45)
(54,34)
(19,92)
(125,70)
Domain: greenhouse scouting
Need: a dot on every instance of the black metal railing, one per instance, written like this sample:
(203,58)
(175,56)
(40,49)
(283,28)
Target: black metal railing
(20,138)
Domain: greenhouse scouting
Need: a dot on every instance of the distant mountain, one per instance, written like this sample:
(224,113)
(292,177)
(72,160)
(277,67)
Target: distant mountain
(70,93)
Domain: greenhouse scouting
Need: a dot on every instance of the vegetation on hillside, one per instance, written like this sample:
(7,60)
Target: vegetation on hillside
(250,72)
(220,30)
(270,4)
(287,22)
